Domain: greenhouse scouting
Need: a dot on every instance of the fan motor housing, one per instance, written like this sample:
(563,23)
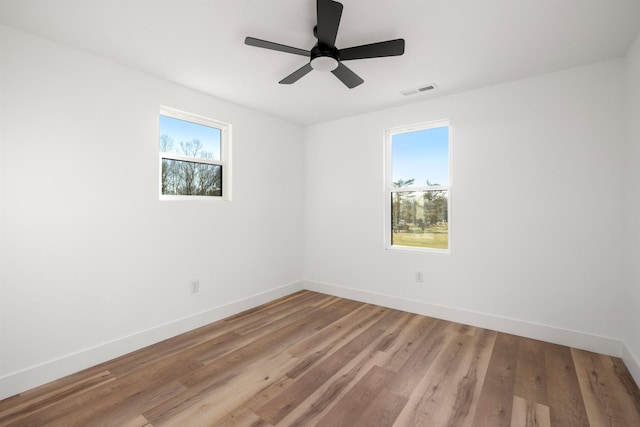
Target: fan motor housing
(324,58)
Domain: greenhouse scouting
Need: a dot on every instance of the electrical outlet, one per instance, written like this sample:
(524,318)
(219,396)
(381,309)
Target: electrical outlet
(419,277)
(195,286)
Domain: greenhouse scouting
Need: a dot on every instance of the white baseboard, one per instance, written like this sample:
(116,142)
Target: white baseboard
(633,363)
(571,338)
(34,376)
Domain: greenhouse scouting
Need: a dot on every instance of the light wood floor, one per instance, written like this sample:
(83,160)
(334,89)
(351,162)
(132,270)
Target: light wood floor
(312,359)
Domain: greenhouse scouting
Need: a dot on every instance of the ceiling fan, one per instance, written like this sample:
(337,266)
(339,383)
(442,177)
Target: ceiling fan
(324,56)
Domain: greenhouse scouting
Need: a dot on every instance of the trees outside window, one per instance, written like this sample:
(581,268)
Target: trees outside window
(194,156)
(418,187)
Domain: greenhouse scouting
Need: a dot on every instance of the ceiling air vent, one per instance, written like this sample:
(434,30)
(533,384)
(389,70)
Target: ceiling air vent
(416,90)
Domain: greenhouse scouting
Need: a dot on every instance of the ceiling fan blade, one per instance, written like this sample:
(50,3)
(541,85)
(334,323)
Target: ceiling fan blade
(329,13)
(346,76)
(373,50)
(275,46)
(296,75)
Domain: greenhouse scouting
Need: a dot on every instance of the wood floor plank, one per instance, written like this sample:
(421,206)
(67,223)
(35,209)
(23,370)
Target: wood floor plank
(606,401)
(212,407)
(288,302)
(430,401)
(526,413)
(531,378)
(243,417)
(312,359)
(354,403)
(392,333)
(139,421)
(496,399)
(327,395)
(470,385)
(296,314)
(275,410)
(323,397)
(128,405)
(339,328)
(266,343)
(449,392)
(40,402)
(129,399)
(101,400)
(423,355)
(268,393)
(625,378)
(263,318)
(563,390)
(217,376)
(322,344)
(411,335)
(383,410)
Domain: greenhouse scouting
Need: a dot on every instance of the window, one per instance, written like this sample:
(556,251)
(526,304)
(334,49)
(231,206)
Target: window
(194,157)
(417,187)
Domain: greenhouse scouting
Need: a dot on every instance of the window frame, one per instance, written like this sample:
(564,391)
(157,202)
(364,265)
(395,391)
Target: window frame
(225,154)
(389,189)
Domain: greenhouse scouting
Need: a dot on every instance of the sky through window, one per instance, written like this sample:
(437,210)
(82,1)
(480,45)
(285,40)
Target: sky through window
(183,131)
(422,155)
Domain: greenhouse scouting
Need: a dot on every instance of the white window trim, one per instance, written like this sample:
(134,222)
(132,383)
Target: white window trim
(389,189)
(225,155)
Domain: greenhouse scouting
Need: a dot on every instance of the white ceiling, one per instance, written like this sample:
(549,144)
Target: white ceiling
(455,44)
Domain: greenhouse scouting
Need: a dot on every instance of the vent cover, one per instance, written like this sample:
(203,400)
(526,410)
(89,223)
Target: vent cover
(420,89)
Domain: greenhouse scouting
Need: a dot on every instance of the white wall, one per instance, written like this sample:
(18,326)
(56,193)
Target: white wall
(537,215)
(93,264)
(632,296)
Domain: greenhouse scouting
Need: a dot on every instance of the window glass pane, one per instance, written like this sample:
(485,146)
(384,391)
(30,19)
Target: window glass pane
(189,139)
(420,158)
(191,178)
(420,219)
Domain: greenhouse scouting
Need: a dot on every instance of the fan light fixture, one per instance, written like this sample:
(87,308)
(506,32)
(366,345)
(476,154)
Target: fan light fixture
(324,63)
